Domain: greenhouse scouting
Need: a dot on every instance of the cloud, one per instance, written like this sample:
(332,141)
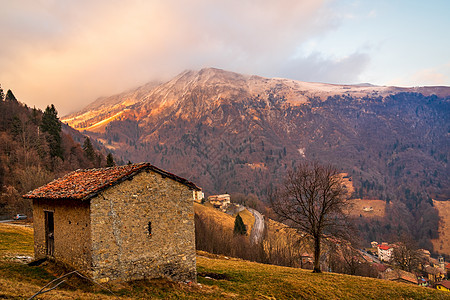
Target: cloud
(437,76)
(432,76)
(317,68)
(70,52)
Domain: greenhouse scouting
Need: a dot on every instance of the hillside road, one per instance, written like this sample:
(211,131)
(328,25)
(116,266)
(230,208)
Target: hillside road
(256,234)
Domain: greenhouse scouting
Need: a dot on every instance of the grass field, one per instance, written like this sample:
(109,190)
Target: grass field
(442,244)
(219,278)
(225,220)
(378,206)
(15,240)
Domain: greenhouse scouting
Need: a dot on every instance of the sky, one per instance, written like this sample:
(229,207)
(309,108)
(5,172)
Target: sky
(69,53)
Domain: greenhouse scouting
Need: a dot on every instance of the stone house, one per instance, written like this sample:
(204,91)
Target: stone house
(124,222)
(306,261)
(400,276)
(434,274)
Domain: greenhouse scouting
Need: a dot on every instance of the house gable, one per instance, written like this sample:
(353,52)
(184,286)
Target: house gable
(135,223)
(147,225)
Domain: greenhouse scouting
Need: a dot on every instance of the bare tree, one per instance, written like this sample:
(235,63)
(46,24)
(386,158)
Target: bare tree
(312,200)
(406,255)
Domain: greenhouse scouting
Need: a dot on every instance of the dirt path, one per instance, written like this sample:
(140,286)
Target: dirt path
(258,227)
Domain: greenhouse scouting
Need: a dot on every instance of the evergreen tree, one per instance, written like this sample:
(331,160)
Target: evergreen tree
(239,226)
(10,96)
(51,125)
(2,95)
(89,151)
(110,160)
(34,117)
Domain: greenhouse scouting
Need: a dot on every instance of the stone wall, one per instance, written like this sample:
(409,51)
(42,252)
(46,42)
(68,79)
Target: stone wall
(122,246)
(71,233)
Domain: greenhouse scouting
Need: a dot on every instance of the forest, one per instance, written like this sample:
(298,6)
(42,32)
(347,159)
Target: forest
(35,148)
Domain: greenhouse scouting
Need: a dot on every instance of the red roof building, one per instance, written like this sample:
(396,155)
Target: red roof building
(385,252)
(384,247)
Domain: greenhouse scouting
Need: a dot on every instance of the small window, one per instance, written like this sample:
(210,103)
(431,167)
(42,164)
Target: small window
(149,228)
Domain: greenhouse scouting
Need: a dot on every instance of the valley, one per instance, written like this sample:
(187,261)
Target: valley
(236,133)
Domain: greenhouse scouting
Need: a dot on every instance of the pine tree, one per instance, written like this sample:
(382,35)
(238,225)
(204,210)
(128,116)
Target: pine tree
(10,96)
(89,151)
(34,117)
(51,125)
(2,95)
(239,226)
(110,160)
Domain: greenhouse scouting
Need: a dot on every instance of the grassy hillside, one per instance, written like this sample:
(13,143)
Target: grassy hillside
(442,244)
(15,241)
(219,278)
(223,219)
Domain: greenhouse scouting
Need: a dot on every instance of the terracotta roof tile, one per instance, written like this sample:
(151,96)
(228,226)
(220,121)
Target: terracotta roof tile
(384,247)
(83,184)
(400,274)
(445,283)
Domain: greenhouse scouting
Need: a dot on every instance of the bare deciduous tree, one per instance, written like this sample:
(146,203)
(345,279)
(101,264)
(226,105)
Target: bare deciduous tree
(312,200)
(406,255)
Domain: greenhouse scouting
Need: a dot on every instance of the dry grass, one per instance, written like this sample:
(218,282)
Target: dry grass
(223,219)
(15,240)
(235,279)
(442,244)
(347,182)
(248,219)
(248,280)
(379,208)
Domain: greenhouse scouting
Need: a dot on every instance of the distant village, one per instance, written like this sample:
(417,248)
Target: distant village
(429,272)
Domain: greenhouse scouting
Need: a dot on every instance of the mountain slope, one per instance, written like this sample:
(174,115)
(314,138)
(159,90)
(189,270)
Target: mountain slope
(238,133)
(219,278)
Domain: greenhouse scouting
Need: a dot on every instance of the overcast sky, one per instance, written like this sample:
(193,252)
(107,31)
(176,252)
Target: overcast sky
(69,52)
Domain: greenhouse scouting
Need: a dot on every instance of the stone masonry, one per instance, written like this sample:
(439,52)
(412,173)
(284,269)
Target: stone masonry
(131,227)
(123,247)
(73,230)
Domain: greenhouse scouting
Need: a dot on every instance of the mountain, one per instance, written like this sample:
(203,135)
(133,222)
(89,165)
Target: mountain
(230,132)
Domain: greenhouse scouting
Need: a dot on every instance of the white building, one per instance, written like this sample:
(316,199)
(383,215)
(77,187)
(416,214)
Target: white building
(220,201)
(198,196)
(385,252)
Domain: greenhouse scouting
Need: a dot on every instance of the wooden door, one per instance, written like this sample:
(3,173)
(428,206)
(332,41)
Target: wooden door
(49,233)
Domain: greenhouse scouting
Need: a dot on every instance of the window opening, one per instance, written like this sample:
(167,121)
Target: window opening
(149,228)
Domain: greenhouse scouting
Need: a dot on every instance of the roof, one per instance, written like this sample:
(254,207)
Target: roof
(85,184)
(400,274)
(433,270)
(384,247)
(445,283)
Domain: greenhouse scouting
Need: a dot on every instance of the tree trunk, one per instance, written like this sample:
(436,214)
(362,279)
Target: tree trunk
(316,254)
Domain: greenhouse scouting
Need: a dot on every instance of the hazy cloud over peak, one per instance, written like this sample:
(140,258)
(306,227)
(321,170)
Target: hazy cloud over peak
(70,52)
